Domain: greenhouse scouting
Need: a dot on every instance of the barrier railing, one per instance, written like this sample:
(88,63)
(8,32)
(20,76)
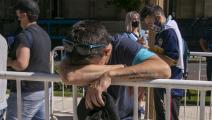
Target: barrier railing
(159,83)
(55,78)
(60,49)
(199,54)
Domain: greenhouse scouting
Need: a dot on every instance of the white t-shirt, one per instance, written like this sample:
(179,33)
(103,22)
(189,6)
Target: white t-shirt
(3,67)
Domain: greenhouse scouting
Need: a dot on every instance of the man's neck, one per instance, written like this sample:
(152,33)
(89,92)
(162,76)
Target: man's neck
(29,24)
(135,31)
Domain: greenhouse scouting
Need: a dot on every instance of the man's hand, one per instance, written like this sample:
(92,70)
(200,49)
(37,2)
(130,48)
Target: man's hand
(141,41)
(22,58)
(94,94)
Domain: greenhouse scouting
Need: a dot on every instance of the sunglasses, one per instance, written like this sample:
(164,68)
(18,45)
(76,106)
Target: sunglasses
(82,49)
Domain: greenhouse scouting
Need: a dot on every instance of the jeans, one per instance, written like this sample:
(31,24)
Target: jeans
(2,112)
(160,105)
(33,106)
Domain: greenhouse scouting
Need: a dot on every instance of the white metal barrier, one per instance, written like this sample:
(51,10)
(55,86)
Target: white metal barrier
(168,84)
(200,56)
(74,87)
(159,83)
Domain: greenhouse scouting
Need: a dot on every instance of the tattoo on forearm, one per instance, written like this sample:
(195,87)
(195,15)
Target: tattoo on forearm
(145,75)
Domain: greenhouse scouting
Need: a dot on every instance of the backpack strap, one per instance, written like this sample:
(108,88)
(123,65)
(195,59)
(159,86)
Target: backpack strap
(186,55)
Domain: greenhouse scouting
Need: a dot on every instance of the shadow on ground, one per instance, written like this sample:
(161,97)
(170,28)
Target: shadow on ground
(64,117)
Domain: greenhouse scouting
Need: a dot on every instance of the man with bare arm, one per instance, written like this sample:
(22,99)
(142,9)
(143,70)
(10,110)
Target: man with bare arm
(30,53)
(95,59)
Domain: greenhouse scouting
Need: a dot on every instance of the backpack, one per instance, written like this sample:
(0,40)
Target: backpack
(108,112)
(186,55)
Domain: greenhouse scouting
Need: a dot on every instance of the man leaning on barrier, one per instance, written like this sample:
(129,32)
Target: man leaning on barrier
(95,59)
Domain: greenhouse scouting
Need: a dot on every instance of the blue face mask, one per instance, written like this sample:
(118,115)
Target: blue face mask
(157,26)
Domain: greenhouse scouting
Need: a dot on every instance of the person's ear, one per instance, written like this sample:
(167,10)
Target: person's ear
(107,51)
(24,15)
(106,55)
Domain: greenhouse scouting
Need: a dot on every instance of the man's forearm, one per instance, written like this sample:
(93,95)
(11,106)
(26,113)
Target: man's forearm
(148,70)
(82,75)
(15,65)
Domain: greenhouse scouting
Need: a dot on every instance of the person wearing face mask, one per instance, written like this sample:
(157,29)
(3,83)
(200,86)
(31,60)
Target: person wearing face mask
(133,28)
(135,33)
(169,39)
(30,53)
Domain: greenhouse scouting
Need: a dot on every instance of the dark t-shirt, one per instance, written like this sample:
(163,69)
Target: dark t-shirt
(128,52)
(35,38)
(207,36)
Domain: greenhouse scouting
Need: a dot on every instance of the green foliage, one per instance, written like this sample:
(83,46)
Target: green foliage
(67,93)
(128,5)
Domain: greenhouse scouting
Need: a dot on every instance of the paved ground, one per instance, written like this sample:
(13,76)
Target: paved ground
(64,111)
(193,69)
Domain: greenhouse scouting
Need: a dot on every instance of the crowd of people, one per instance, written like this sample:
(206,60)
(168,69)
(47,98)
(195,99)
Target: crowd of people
(151,47)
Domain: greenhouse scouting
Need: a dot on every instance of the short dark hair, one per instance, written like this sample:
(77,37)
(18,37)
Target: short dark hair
(88,32)
(30,7)
(158,9)
(148,10)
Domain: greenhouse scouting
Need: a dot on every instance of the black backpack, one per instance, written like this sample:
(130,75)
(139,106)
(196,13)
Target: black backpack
(108,112)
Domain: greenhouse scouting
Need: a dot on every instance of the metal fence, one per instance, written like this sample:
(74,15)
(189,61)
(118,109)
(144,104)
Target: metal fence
(197,70)
(168,84)
(199,57)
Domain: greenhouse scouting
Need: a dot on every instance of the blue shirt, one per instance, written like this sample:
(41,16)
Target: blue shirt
(128,52)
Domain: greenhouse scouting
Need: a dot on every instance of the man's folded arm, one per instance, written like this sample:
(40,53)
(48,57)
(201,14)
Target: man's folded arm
(83,74)
(152,68)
